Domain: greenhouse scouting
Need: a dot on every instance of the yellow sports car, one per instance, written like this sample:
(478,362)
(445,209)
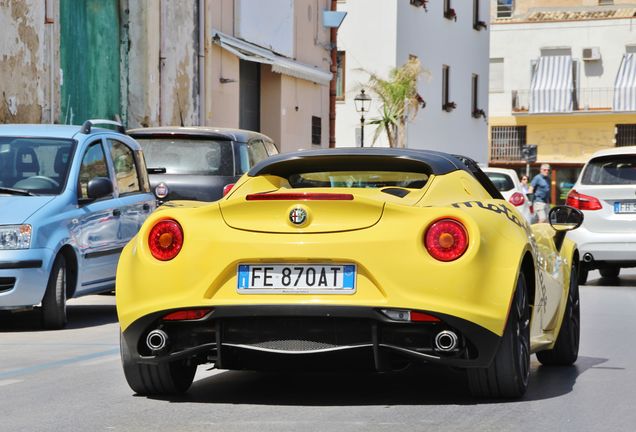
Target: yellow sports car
(350,258)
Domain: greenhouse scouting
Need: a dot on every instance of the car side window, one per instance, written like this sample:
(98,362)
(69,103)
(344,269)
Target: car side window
(271,148)
(250,154)
(93,165)
(256,151)
(125,166)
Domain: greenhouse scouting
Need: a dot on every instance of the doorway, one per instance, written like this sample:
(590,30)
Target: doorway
(250,96)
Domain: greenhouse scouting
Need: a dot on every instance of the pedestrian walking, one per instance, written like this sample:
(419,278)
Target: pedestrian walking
(540,186)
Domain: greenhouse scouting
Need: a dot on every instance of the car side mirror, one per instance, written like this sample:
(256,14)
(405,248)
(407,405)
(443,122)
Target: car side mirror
(563,219)
(99,187)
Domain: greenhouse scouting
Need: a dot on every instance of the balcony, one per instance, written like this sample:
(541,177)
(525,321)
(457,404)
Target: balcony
(583,100)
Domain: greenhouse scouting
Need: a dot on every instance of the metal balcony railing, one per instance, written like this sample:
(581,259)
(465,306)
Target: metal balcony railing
(584,99)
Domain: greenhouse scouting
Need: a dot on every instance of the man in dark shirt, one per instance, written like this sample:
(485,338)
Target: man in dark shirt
(540,186)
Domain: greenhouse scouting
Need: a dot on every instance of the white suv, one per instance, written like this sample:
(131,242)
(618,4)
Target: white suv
(606,193)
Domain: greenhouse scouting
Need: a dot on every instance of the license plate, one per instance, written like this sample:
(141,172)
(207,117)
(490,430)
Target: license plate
(296,278)
(625,207)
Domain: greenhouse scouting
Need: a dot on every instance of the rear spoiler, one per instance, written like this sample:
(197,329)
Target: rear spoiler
(358,159)
(372,159)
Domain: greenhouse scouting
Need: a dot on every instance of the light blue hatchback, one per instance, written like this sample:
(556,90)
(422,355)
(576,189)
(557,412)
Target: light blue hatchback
(71,197)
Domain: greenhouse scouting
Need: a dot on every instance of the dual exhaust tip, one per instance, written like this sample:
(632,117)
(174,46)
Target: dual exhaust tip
(445,341)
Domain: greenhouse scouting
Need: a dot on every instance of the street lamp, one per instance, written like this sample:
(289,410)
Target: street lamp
(363,102)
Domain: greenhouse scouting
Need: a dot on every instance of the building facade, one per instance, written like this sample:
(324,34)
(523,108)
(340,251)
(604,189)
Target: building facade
(450,38)
(563,79)
(29,53)
(263,66)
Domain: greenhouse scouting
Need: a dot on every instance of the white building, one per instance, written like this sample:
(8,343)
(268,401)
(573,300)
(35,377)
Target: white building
(450,35)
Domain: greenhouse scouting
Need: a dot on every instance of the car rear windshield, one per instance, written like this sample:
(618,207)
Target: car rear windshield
(37,165)
(188,155)
(610,170)
(358,179)
(502,182)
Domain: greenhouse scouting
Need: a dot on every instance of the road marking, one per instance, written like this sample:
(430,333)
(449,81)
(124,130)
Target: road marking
(9,381)
(12,373)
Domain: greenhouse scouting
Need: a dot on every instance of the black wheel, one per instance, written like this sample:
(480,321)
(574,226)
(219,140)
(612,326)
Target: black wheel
(507,376)
(161,379)
(610,272)
(566,349)
(582,275)
(54,300)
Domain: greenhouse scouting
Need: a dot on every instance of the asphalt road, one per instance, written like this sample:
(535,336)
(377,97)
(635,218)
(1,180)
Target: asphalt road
(71,380)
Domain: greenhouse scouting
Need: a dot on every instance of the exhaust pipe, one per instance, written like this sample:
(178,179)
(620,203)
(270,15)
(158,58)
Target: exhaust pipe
(446,341)
(588,258)
(157,340)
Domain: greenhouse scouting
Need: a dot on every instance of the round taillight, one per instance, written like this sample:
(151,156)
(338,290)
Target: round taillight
(517,199)
(446,240)
(165,239)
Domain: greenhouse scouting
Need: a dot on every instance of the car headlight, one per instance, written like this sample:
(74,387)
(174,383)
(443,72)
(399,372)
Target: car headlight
(15,237)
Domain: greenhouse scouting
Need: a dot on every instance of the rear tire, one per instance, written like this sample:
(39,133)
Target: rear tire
(54,300)
(566,349)
(507,376)
(610,272)
(155,380)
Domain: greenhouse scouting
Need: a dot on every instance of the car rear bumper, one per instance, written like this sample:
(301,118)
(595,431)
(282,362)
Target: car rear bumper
(23,277)
(604,246)
(309,337)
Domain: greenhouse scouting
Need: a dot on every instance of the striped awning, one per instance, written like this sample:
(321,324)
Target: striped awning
(552,85)
(625,84)
(280,64)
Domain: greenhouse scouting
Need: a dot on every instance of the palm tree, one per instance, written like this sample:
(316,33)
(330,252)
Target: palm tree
(399,100)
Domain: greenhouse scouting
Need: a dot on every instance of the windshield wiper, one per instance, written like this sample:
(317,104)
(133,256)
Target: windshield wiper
(13,191)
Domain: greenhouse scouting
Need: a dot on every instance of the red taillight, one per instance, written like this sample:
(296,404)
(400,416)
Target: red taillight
(187,315)
(582,202)
(165,239)
(517,199)
(423,317)
(446,240)
(227,188)
(299,196)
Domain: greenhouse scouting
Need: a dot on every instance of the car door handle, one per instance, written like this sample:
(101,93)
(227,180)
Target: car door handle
(116,212)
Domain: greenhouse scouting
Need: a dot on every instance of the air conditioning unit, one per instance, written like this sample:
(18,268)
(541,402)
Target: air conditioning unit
(591,54)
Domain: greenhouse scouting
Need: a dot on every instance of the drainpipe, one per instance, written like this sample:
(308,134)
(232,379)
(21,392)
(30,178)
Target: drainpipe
(49,21)
(332,83)
(202,98)
(163,23)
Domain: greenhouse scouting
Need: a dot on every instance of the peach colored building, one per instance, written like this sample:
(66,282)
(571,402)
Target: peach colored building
(268,69)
